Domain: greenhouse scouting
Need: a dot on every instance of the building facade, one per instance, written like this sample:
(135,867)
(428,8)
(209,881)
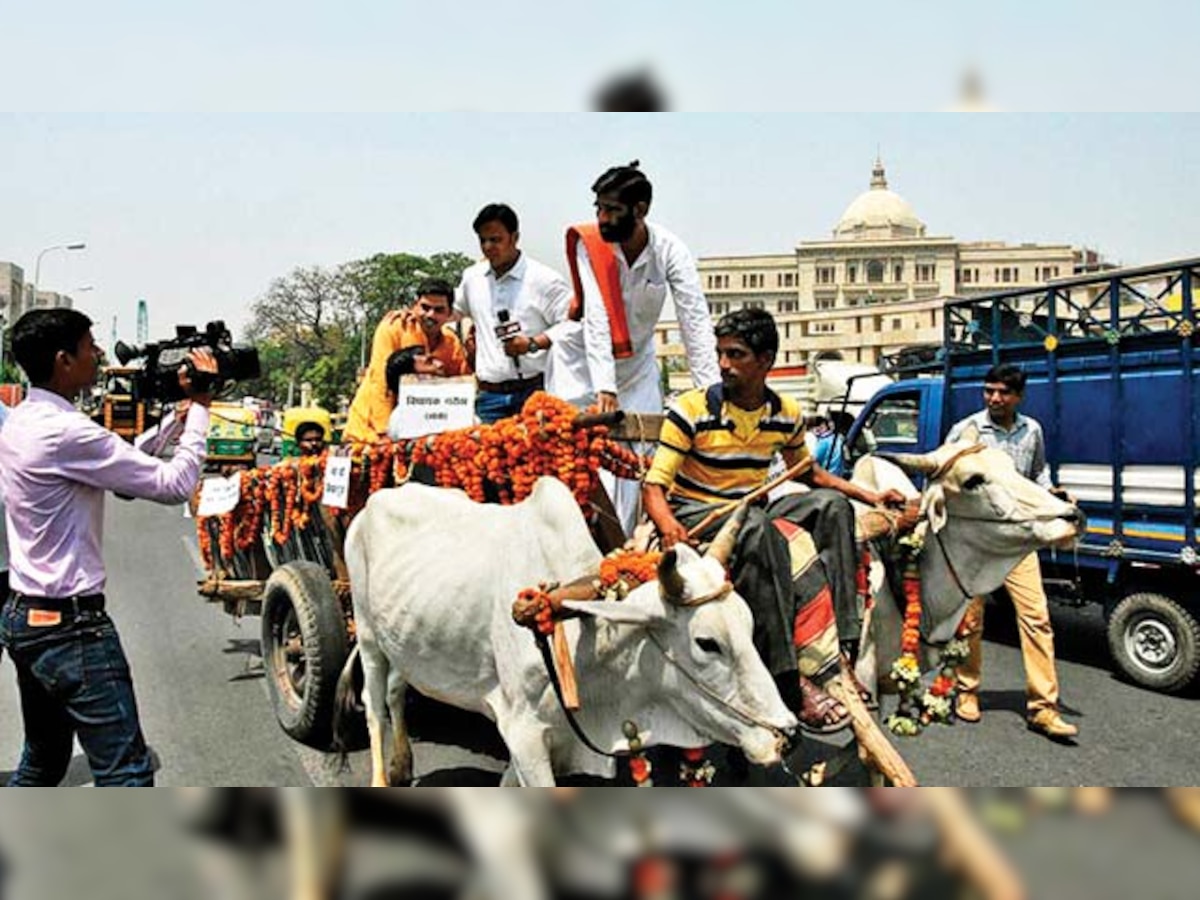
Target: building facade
(877,285)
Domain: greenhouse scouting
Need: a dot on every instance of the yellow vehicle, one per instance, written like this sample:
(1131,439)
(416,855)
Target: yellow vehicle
(297,416)
(121,411)
(232,432)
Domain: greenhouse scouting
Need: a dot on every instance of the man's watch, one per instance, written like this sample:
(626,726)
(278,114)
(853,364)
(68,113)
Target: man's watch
(533,346)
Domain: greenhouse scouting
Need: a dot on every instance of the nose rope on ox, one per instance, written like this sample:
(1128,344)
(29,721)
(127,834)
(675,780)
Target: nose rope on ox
(720,549)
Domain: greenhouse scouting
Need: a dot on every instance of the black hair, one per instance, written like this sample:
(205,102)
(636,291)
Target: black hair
(401,362)
(304,427)
(1008,375)
(40,334)
(755,327)
(436,287)
(629,183)
(497,212)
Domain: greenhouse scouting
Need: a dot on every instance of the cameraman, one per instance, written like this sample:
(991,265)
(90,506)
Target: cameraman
(55,466)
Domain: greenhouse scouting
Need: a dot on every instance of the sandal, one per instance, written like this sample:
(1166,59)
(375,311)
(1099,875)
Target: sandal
(864,694)
(816,709)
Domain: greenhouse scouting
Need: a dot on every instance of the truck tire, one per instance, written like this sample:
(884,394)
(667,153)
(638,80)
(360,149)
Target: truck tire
(1155,641)
(304,645)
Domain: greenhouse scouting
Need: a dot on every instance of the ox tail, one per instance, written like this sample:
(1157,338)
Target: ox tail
(346,708)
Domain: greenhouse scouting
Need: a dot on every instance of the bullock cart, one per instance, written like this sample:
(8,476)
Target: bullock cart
(278,553)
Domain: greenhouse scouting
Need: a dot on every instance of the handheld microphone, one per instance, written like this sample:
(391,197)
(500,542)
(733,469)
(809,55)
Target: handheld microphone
(503,316)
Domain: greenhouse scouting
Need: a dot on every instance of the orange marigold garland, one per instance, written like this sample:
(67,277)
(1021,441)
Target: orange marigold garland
(920,706)
(623,570)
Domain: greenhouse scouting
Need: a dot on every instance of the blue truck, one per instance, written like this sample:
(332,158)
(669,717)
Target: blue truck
(1113,367)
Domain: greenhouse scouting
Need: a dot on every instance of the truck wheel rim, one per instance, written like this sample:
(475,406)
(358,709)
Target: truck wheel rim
(1151,644)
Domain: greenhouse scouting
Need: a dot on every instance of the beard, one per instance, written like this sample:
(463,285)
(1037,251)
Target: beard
(619,231)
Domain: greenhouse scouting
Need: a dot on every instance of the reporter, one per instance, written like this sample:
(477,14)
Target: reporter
(55,467)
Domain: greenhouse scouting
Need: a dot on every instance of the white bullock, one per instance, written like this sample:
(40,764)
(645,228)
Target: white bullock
(980,518)
(433,578)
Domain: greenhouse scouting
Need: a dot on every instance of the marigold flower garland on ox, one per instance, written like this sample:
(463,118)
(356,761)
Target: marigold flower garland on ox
(621,572)
(921,705)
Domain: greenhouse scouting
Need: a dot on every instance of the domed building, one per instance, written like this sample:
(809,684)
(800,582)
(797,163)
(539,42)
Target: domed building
(878,284)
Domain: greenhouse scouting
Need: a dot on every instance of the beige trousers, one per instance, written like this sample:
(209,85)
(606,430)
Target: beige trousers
(1024,585)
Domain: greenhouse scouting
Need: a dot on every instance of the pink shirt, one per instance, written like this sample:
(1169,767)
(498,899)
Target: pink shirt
(55,465)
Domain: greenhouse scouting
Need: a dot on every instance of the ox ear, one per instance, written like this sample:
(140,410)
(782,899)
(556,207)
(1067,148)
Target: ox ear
(621,612)
(933,507)
(970,434)
(912,463)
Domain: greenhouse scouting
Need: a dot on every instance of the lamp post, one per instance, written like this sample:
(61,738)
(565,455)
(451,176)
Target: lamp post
(37,268)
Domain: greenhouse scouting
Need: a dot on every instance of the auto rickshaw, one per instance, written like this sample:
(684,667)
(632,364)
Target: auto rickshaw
(297,416)
(232,434)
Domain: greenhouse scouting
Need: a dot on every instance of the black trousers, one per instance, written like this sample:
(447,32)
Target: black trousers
(761,566)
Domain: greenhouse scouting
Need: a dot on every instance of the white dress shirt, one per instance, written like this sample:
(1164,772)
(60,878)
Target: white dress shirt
(533,294)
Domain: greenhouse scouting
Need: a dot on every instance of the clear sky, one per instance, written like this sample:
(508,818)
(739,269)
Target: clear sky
(197,213)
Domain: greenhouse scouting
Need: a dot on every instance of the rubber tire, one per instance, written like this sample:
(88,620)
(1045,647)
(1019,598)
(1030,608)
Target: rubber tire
(1169,614)
(305,588)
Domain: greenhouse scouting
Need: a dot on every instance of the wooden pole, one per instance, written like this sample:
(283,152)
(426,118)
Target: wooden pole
(798,469)
(873,745)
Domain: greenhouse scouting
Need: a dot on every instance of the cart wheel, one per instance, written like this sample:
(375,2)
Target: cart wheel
(1155,641)
(304,648)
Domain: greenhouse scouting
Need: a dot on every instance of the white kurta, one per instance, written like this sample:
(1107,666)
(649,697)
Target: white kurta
(583,363)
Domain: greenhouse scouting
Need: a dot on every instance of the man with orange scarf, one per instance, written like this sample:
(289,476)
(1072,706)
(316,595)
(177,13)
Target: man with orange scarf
(623,267)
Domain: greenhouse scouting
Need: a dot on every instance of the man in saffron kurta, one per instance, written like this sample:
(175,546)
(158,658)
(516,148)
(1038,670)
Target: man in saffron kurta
(422,326)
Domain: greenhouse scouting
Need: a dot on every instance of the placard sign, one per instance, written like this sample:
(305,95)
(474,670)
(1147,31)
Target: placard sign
(219,495)
(337,482)
(435,405)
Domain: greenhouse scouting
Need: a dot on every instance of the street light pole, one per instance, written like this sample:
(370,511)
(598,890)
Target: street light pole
(37,268)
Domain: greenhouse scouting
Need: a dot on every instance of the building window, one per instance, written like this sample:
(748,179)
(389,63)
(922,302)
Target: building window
(898,273)
(718,309)
(789,279)
(754,304)
(822,328)
(825,303)
(896,325)
(825,275)
(789,306)
(787,330)
(925,272)
(874,272)
(851,274)
(965,277)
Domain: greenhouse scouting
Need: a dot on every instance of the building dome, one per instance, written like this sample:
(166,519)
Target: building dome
(879,214)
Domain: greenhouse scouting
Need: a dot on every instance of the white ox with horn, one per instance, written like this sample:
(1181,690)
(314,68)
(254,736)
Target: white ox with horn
(433,577)
(981,517)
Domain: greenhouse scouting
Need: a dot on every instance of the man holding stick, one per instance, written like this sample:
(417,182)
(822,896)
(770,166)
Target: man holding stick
(715,448)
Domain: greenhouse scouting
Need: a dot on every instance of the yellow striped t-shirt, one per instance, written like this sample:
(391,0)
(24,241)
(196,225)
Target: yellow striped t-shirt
(712,451)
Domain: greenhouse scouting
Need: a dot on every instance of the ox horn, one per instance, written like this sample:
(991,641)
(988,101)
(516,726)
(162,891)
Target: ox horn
(722,545)
(670,582)
(912,463)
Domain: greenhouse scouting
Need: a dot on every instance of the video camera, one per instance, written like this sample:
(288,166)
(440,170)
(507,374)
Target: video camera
(159,376)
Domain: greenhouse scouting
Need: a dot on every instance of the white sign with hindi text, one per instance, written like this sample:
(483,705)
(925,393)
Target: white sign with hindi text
(337,482)
(219,495)
(431,406)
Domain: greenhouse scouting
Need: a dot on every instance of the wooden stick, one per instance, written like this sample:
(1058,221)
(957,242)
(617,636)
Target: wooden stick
(873,745)
(798,469)
(566,669)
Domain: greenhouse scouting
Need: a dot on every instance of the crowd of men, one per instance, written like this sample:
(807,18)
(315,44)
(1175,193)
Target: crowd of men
(589,340)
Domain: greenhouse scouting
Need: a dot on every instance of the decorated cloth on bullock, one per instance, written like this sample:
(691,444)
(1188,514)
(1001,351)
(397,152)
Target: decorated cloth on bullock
(765,575)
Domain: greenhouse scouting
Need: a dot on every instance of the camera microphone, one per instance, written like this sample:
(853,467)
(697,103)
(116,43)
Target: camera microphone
(503,316)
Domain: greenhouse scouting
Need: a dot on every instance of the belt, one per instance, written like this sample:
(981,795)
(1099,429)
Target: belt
(513,386)
(75,605)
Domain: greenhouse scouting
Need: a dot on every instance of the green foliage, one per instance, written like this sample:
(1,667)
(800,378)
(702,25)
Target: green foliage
(313,324)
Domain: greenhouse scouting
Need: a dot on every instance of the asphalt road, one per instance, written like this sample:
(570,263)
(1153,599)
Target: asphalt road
(207,716)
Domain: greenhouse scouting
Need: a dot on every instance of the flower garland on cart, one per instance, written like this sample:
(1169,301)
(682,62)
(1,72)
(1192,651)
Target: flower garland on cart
(500,462)
(922,705)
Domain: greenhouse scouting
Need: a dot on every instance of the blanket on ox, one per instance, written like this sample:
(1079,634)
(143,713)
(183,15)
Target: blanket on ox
(795,563)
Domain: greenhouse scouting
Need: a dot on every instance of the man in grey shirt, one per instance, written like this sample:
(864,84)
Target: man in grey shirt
(999,425)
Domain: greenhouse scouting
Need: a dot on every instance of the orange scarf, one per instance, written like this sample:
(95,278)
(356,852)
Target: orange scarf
(608,277)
